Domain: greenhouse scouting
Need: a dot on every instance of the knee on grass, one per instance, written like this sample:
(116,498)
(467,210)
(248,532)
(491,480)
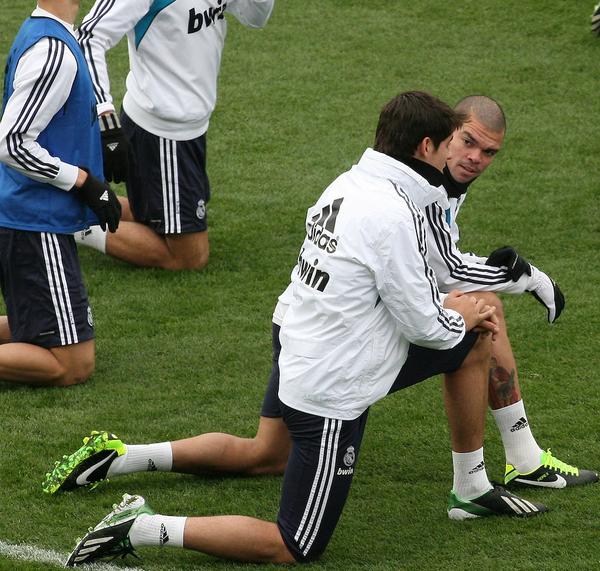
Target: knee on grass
(75,374)
(178,263)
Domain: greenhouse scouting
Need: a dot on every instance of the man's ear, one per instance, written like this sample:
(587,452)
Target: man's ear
(424,149)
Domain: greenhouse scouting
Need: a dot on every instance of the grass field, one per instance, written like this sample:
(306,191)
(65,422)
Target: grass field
(180,354)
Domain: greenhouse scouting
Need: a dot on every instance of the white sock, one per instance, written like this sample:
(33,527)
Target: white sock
(520,448)
(143,458)
(94,237)
(157,530)
(470,476)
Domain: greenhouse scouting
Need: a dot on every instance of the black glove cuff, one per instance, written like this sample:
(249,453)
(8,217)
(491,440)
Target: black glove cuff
(92,184)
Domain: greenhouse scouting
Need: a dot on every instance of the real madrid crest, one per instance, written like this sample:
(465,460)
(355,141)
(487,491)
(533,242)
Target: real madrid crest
(350,456)
(201,209)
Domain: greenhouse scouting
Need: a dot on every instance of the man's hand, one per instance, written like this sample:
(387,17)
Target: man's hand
(547,293)
(475,312)
(102,200)
(507,256)
(114,148)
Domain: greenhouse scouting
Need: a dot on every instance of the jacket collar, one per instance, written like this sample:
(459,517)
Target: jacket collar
(417,179)
(454,188)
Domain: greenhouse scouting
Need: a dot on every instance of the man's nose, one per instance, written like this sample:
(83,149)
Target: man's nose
(475,155)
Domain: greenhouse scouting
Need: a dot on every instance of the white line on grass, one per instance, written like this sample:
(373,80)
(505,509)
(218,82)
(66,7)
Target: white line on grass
(39,555)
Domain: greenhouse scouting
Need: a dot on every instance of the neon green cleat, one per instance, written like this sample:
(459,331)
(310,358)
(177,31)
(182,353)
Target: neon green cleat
(110,538)
(86,466)
(551,473)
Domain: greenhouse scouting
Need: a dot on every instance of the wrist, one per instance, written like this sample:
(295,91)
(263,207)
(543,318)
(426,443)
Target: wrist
(109,121)
(81,178)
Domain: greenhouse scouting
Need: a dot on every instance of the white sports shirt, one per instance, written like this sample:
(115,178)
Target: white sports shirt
(175,49)
(362,291)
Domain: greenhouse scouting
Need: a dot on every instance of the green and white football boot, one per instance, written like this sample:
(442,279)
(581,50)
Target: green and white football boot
(496,501)
(110,538)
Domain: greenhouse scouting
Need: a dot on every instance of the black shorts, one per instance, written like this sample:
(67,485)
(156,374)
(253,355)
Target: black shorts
(421,364)
(324,452)
(271,406)
(167,184)
(317,479)
(46,300)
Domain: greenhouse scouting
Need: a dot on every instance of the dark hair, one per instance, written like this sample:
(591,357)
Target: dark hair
(410,117)
(485,109)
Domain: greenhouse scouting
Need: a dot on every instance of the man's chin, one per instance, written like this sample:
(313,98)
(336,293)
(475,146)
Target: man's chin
(464,176)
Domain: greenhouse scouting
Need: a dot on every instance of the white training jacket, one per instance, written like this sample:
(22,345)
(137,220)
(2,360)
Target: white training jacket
(464,271)
(175,52)
(43,81)
(362,291)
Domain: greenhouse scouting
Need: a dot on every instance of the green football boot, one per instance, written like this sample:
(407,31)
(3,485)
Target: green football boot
(87,466)
(551,473)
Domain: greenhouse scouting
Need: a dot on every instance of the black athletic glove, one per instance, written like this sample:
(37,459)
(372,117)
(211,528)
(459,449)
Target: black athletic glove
(102,200)
(596,20)
(509,257)
(114,148)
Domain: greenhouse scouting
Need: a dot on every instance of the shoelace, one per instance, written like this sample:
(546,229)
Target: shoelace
(549,461)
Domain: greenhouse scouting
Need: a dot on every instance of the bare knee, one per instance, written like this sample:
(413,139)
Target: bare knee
(274,549)
(283,556)
(187,251)
(267,460)
(270,448)
(493,300)
(75,377)
(176,263)
(73,373)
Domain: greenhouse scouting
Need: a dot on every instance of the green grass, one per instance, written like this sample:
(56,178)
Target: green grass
(181,354)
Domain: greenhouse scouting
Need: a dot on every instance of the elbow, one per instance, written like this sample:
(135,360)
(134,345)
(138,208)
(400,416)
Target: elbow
(444,282)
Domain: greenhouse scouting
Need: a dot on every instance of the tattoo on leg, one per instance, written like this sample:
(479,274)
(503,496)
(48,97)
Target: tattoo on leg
(501,386)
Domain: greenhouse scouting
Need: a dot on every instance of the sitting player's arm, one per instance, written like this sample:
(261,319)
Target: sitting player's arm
(455,270)
(504,270)
(29,110)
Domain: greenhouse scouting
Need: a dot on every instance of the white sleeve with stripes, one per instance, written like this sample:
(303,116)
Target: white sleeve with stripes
(43,80)
(472,258)
(455,270)
(407,286)
(101,29)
